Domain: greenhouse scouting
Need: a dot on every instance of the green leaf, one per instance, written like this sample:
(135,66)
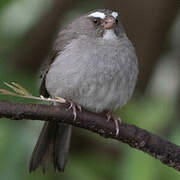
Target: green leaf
(6,92)
(16,89)
(25,92)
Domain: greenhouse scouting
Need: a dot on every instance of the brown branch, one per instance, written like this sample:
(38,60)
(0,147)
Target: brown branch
(163,150)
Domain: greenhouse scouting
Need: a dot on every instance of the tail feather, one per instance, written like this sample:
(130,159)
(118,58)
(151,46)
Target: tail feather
(61,146)
(53,142)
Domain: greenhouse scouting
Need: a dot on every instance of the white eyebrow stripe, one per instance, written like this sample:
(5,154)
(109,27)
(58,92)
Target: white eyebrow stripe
(97,15)
(114,14)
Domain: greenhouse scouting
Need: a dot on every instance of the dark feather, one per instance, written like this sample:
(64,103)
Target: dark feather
(53,144)
(61,146)
(42,149)
(63,39)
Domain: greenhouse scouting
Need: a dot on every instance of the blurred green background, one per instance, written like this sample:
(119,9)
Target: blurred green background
(27,29)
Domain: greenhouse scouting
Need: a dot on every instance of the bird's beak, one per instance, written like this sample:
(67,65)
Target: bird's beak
(109,22)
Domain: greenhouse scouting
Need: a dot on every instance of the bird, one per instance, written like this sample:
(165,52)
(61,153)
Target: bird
(93,64)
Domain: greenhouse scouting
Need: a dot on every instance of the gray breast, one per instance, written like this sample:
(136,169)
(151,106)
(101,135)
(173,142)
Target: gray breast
(96,74)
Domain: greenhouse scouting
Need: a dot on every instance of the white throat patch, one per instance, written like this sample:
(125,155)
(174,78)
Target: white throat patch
(97,15)
(109,34)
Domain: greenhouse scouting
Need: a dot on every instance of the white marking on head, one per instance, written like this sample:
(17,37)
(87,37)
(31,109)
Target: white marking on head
(97,15)
(114,14)
(109,34)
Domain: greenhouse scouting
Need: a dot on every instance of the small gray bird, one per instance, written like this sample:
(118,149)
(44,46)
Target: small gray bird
(93,64)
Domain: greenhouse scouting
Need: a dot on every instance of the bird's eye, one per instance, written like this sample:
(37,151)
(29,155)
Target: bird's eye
(96,21)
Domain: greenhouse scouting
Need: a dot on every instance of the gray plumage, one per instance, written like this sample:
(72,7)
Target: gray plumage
(92,63)
(98,74)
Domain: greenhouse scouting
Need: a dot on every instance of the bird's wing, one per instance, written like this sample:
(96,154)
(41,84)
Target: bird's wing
(63,39)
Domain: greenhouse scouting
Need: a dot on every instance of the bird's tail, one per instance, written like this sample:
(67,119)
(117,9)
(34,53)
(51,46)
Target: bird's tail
(53,142)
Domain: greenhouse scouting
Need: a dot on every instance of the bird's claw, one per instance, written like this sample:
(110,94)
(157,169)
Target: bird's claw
(116,120)
(74,108)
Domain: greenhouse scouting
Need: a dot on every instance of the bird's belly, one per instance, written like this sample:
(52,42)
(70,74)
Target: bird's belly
(98,95)
(96,82)
(93,91)
(109,86)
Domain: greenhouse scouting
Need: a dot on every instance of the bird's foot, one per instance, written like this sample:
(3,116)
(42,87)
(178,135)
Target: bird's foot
(116,120)
(75,107)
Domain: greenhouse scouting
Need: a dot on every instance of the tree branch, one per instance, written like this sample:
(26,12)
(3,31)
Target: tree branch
(163,150)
